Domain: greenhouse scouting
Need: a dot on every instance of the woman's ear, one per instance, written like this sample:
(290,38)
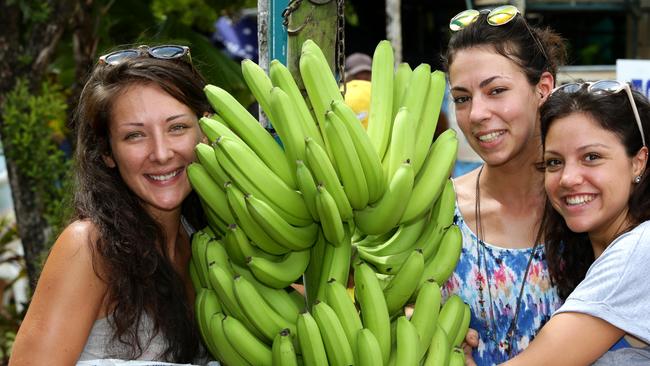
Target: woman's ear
(639,162)
(108,160)
(544,86)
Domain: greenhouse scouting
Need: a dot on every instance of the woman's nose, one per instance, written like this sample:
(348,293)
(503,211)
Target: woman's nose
(162,150)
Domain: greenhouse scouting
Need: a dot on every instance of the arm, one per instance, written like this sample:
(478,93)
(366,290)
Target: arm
(569,339)
(65,304)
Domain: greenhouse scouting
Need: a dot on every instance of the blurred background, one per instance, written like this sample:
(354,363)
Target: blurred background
(48,47)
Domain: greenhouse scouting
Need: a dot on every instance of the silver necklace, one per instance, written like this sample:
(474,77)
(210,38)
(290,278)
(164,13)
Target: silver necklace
(480,253)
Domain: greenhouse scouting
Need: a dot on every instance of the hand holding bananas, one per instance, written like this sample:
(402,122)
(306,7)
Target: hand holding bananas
(332,198)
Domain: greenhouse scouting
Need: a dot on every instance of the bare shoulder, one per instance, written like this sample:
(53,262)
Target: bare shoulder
(75,242)
(465,187)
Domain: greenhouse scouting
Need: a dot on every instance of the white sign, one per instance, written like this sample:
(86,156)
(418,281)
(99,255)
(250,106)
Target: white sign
(635,72)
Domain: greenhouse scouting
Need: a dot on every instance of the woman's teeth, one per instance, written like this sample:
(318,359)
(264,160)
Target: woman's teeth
(164,176)
(579,200)
(490,136)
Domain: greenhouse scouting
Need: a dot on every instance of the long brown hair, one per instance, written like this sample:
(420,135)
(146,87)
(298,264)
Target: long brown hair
(137,271)
(570,254)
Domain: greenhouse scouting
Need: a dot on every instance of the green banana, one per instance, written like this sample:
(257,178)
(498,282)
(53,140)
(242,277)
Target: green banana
(416,94)
(464,326)
(313,273)
(227,353)
(425,314)
(330,218)
(216,255)
(194,276)
(282,273)
(401,83)
(336,265)
(402,139)
(215,223)
(311,341)
(405,238)
(370,161)
(199,246)
(279,299)
(285,234)
(246,343)
(435,172)
(374,312)
(387,212)
(266,320)
(319,82)
(262,180)
(444,209)
(347,160)
(214,127)
(239,248)
(260,85)
(321,166)
(307,187)
(249,129)
(444,262)
(287,126)
(407,340)
(282,351)
(282,78)
(451,316)
(368,351)
(339,300)
(439,349)
(237,203)
(233,242)
(205,155)
(209,191)
(381,97)
(337,346)
(371,241)
(223,285)
(457,357)
(206,304)
(401,287)
(429,118)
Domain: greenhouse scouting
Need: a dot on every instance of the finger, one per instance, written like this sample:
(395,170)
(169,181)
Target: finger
(472,337)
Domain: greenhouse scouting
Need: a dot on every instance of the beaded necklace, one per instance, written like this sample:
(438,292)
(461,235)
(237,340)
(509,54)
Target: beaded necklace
(480,253)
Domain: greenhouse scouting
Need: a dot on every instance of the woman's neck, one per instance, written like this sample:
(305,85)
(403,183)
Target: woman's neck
(602,237)
(512,184)
(170,222)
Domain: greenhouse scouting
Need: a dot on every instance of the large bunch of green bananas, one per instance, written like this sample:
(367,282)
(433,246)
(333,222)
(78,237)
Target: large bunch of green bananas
(332,201)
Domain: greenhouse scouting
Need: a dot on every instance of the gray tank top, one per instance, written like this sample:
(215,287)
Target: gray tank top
(100,346)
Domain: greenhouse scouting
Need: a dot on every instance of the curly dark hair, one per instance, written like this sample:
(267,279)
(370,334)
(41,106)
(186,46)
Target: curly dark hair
(570,254)
(137,270)
(514,40)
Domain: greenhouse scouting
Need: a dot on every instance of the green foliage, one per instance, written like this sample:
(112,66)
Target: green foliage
(197,13)
(30,132)
(10,317)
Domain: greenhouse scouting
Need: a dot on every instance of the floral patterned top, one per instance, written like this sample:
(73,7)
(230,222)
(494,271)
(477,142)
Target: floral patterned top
(504,276)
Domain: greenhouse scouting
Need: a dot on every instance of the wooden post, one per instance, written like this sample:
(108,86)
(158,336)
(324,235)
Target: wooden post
(317,22)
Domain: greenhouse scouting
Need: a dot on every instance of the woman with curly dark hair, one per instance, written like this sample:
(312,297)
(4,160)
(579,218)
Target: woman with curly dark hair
(597,226)
(116,282)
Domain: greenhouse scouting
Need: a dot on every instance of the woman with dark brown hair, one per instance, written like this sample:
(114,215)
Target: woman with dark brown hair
(500,71)
(116,282)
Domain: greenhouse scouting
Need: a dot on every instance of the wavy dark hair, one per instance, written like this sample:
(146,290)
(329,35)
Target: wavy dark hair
(136,268)
(513,40)
(570,254)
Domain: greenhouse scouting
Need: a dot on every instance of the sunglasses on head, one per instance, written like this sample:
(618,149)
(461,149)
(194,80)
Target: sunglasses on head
(605,86)
(496,17)
(164,52)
